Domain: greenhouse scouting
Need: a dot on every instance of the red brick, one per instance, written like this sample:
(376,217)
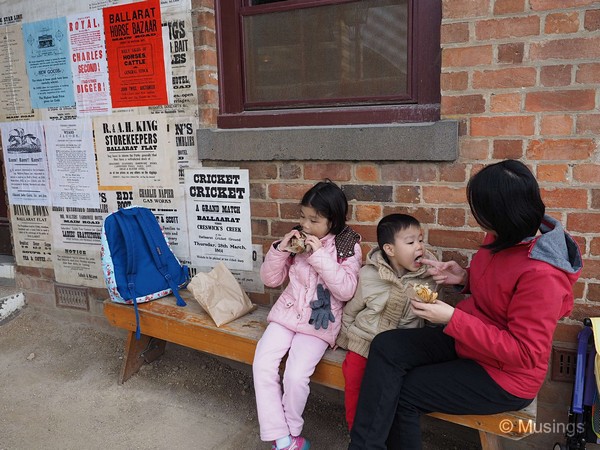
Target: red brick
(595,199)
(205,58)
(591,21)
(453,172)
(556,75)
(407,194)
(367,213)
(587,173)
(462,104)
(579,48)
(505,78)
(566,332)
(454,81)
(560,23)
(294,191)
(511,53)
(503,126)
(467,57)
(205,18)
(197,4)
(290,171)
(455,239)
(591,269)
(264,209)
(259,170)
(565,198)
(508,6)
(558,125)
(572,100)
(258,191)
(208,96)
(334,171)
(589,123)
(454,32)
(367,172)
(505,103)
(423,215)
(412,172)
(289,210)
(508,149)
(560,149)
(588,73)
(552,173)
(206,77)
(593,292)
(584,223)
(595,246)
(581,311)
(367,232)
(462,9)
(451,217)
(544,5)
(208,116)
(507,28)
(474,149)
(259,227)
(204,37)
(444,194)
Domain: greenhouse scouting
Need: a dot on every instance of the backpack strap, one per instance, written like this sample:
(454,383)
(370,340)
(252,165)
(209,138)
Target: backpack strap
(142,216)
(131,265)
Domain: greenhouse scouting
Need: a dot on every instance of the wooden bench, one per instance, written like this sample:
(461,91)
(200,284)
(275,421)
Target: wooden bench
(161,321)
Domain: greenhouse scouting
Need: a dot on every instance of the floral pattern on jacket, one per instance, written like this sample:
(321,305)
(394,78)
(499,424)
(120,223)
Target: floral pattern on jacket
(304,272)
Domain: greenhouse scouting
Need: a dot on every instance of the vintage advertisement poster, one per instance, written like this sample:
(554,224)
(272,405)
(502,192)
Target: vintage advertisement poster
(34,10)
(168,205)
(14,84)
(48,66)
(31,233)
(25,162)
(135,54)
(134,151)
(182,132)
(72,164)
(88,63)
(183,66)
(218,208)
(76,242)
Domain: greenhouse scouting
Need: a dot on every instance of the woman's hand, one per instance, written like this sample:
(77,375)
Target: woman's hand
(436,312)
(285,242)
(446,272)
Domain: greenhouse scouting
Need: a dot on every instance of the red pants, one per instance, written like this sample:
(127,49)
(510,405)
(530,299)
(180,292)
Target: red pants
(353,369)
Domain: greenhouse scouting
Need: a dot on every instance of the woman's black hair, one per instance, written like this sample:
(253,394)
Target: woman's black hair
(328,199)
(505,198)
(389,226)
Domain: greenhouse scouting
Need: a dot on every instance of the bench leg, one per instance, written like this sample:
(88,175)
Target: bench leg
(490,441)
(139,352)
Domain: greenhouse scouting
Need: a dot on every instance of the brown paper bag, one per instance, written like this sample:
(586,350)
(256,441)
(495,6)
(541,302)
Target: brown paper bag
(220,295)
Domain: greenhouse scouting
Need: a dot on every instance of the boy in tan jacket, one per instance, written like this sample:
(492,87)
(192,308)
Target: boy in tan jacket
(382,300)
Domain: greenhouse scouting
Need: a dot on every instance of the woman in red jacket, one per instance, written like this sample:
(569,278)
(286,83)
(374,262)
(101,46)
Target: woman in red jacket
(492,353)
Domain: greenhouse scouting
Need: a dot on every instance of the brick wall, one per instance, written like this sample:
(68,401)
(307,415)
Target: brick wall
(522,78)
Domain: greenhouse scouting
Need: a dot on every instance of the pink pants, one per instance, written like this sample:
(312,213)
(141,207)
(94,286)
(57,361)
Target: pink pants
(280,414)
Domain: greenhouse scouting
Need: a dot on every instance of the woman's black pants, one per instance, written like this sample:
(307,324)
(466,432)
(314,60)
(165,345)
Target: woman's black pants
(415,371)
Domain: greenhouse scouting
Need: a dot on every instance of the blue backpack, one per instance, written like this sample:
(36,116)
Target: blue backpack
(137,262)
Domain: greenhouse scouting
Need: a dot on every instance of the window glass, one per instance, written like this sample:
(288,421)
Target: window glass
(326,55)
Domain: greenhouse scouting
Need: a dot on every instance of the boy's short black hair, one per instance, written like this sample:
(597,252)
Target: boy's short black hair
(328,199)
(505,198)
(390,225)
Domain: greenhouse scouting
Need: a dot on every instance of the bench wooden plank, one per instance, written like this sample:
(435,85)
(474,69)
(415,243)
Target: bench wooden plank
(191,327)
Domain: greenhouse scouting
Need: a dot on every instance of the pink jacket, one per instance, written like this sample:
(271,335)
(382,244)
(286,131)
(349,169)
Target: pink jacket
(306,270)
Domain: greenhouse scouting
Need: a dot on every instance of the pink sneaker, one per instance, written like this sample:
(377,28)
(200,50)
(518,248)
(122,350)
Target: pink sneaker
(298,443)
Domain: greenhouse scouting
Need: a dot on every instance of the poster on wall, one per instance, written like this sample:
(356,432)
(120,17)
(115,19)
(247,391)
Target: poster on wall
(134,47)
(30,225)
(88,63)
(48,67)
(76,244)
(72,163)
(183,66)
(182,132)
(25,162)
(218,208)
(168,206)
(14,84)
(134,151)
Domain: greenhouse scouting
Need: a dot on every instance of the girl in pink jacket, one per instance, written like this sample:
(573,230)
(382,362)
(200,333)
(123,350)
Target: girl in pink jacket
(306,318)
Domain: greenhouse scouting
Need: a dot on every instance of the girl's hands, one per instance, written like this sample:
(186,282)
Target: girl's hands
(313,241)
(285,242)
(446,272)
(436,312)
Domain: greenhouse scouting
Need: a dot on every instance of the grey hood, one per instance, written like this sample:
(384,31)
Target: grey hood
(555,247)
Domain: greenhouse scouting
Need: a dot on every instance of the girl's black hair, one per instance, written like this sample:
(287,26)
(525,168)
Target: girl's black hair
(329,201)
(505,198)
(389,226)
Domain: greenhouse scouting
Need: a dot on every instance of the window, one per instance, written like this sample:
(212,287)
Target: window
(328,62)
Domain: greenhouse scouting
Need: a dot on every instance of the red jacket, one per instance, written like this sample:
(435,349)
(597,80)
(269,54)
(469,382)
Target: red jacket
(517,297)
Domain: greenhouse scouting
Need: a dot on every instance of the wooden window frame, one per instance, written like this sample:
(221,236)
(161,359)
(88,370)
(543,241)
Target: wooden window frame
(424,80)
